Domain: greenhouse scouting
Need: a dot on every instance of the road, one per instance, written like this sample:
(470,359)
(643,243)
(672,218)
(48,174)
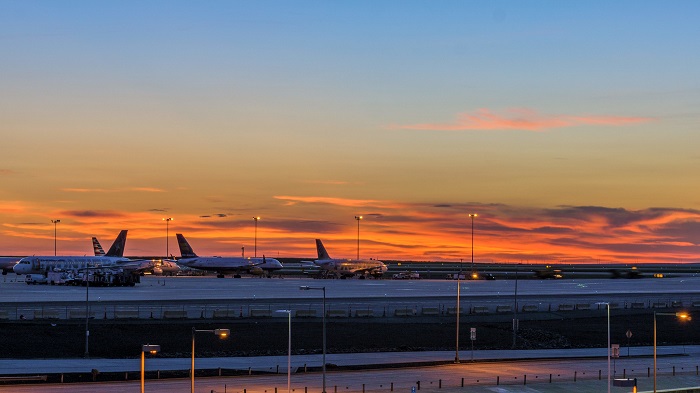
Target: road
(488,373)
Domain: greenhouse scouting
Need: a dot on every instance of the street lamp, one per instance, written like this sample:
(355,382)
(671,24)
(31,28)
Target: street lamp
(54,235)
(306,288)
(457,313)
(680,315)
(255,252)
(289,349)
(608,306)
(167,236)
(152,349)
(472,215)
(358,218)
(222,333)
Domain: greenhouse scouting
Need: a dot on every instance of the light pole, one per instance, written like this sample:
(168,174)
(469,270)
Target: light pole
(457,313)
(472,215)
(608,306)
(167,236)
(222,333)
(54,235)
(306,288)
(87,312)
(255,252)
(152,349)
(358,218)
(680,315)
(289,349)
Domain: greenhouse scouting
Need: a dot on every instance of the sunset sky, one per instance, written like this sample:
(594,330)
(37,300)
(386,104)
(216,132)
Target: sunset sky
(570,128)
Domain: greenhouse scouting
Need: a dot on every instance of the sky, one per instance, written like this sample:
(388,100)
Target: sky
(569,128)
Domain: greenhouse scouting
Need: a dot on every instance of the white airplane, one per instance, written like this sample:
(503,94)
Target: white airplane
(7,263)
(225,265)
(345,268)
(113,259)
(159,266)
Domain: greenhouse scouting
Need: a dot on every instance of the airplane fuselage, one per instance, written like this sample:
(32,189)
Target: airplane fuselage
(351,267)
(227,265)
(42,264)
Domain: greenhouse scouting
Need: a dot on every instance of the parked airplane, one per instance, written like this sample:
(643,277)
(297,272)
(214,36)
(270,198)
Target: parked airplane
(113,258)
(225,265)
(159,266)
(344,268)
(7,263)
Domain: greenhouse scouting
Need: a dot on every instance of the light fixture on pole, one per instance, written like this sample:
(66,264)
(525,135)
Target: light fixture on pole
(323,368)
(358,218)
(167,236)
(255,252)
(152,349)
(289,349)
(472,215)
(680,315)
(54,235)
(608,306)
(222,333)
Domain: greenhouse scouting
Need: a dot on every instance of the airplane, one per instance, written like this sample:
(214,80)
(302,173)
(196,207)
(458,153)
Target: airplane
(345,268)
(113,258)
(160,266)
(7,263)
(225,265)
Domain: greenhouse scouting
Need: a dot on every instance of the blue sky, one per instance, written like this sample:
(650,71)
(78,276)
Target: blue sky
(310,112)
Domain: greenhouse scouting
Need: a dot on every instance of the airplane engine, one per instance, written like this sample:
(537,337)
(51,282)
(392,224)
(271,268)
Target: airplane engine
(157,271)
(257,271)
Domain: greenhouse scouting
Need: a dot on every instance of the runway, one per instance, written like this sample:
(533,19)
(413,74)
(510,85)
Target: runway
(199,297)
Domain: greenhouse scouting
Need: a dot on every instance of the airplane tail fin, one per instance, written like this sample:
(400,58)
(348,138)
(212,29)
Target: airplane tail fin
(185,249)
(99,251)
(321,250)
(117,249)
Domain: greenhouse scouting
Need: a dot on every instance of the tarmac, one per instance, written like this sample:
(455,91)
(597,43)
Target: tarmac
(354,361)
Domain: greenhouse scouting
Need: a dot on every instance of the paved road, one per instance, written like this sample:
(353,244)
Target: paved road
(492,371)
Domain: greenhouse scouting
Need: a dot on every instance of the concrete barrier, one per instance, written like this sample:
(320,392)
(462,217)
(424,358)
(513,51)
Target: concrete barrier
(174,314)
(430,311)
(583,306)
(364,313)
(404,312)
(46,314)
(225,314)
(260,313)
(453,310)
(637,305)
(79,314)
(126,314)
(305,313)
(336,313)
(566,307)
(659,305)
(481,310)
(530,308)
(504,309)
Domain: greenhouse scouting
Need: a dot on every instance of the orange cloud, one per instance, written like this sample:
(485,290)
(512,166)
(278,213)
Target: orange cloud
(520,119)
(109,190)
(291,200)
